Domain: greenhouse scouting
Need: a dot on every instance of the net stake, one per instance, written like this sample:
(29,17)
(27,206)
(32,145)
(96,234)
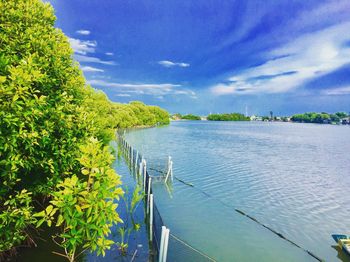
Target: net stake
(151,217)
(166,242)
(148,193)
(161,244)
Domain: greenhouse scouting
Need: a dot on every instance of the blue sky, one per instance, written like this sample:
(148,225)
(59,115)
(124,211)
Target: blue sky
(205,56)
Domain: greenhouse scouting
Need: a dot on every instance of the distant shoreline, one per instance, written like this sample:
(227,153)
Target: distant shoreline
(339,118)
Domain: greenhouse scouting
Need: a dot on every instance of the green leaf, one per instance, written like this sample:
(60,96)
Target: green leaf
(85,172)
(59,220)
(48,209)
(40,222)
(40,214)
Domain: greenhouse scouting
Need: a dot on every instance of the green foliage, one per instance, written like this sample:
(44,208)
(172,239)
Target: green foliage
(228,117)
(16,214)
(40,110)
(320,118)
(85,203)
(48,117)
(190,117)
(138,114)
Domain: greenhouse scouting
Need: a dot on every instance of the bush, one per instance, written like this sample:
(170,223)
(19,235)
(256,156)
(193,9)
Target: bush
(53,135)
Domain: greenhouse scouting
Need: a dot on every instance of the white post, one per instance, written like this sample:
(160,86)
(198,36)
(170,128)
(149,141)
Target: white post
(140,169)
(169,160)
(161,244)
(148,193)
(171,172)
(151,217)
(144,176)
(132,155)
(166,242)
(137,156)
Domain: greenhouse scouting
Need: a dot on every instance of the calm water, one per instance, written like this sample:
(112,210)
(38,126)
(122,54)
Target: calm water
(294,178)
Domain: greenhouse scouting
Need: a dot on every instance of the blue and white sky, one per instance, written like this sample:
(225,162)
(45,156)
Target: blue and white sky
(202,56)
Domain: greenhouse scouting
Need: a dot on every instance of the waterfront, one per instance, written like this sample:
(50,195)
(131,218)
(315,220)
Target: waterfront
(293,178)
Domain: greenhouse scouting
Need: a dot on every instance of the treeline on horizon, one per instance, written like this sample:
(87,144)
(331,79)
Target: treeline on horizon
(185,117)
(310,117)
(228,117)
(212,117)
(319,118)
(55,162)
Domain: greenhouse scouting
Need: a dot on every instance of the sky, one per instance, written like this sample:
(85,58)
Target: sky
(214,56)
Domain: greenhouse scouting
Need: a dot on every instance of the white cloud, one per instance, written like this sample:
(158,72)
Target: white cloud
(83,32)
(82,46)
(323,13)
(145,89)
(167,63)
(91,69)
(307,57)
(103,83)
(109,53)
(123,95)
(337,91)
(90,59)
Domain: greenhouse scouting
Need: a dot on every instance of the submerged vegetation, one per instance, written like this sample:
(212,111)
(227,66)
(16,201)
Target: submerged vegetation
(130,225)
(55,163)
(227,117)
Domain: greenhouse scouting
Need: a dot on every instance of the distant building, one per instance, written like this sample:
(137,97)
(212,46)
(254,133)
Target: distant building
(255,118)
(345,121)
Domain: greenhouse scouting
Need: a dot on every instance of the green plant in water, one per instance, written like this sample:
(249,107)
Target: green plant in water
(123,245)
(130,225)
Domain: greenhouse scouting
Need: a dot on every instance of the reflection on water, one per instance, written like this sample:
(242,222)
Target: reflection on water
(294,178)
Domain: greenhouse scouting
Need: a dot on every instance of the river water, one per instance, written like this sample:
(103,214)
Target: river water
(293,178)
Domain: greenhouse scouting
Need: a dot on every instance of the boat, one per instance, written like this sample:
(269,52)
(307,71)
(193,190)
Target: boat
(343,242)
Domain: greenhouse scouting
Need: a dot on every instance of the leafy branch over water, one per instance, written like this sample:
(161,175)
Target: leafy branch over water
(54,135)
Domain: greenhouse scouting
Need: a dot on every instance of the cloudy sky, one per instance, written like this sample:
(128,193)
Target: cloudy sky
(202,56)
